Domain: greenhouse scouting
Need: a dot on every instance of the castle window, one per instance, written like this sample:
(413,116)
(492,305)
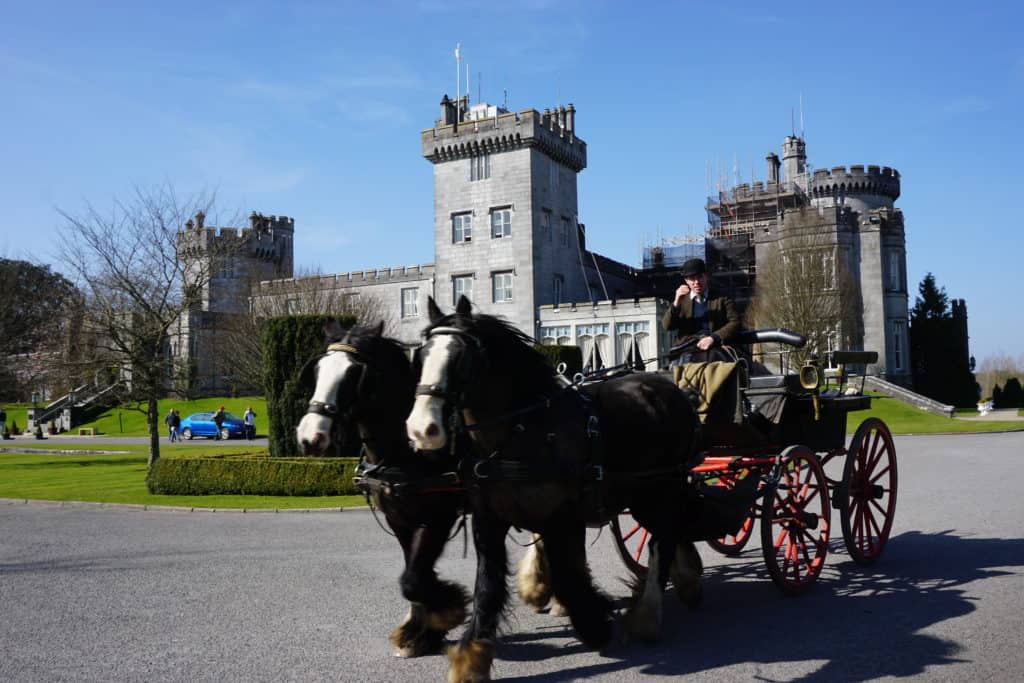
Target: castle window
(545,224)
(556,334)
(556,289)
(462,285)
(502,286)
(565,231)
(899,329)
(480,167)
(501,222)
(225,267)
(291,306)
(462,228)
(553,177)
(410,302)
(894,271)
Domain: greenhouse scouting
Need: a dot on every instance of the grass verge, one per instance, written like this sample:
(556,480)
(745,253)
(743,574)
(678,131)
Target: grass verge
(902,418)
(121,478)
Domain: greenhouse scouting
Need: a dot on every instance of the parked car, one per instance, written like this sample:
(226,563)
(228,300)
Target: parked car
(201,424)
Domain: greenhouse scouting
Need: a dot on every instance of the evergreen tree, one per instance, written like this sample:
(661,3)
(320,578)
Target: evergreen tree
(940,361)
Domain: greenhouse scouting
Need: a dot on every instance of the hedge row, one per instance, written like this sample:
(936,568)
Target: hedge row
(253,476)
(570,355)
(289,342)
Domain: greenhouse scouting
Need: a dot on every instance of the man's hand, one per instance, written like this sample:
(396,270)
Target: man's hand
(682,292)
(705,343)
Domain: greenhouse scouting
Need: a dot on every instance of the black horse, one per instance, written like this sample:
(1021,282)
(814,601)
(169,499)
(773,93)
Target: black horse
(367,379)
(552,458)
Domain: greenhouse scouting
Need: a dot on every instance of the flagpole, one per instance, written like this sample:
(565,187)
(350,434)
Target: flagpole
(458,82)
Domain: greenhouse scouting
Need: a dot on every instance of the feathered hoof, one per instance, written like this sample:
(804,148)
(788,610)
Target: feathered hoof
(448,618)
(558,609)
(470,663)
(419,644)
(686,571)
(532,579)
(643,622)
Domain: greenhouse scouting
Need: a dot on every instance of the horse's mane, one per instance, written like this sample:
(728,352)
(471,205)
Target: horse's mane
(387,354)
(509,351)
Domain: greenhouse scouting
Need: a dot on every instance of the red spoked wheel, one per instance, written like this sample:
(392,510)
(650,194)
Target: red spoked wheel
(733,544)
(795,519)
(631,541)
(866,497)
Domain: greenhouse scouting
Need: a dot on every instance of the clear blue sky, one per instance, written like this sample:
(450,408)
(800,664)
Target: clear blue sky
(314,109)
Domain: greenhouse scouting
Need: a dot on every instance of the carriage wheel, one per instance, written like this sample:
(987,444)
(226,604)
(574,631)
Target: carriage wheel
(795,517)
(733,544)
(866,498)
(630,542)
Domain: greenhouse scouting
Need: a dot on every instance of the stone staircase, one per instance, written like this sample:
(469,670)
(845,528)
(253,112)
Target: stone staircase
(881,386)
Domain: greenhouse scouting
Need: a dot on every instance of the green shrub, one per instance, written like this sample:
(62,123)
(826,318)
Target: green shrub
(249,476)
(570,355)
(289,342)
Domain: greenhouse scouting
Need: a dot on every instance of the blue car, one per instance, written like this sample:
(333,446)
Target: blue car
(201,424)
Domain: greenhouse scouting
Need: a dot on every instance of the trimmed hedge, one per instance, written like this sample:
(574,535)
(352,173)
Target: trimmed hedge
(570,355)
(288,343)
(249,476)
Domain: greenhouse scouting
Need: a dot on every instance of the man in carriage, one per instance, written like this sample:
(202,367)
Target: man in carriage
(701,322)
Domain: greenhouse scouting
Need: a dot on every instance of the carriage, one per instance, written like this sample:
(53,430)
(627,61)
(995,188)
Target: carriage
(778,441)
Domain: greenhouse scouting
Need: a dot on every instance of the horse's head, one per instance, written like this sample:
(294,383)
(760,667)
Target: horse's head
(449,366)
(346,378)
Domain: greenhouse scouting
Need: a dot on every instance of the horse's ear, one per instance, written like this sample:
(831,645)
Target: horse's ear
(433,311)
(378,329)
(464,307)
(333,329)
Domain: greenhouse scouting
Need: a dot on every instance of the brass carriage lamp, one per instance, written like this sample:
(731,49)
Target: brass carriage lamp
(810,379)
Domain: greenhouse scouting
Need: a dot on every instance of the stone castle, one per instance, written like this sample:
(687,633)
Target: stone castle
(507,235)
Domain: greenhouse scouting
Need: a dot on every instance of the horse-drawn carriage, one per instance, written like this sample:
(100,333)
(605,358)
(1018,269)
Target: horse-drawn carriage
(497,434)
(782,437)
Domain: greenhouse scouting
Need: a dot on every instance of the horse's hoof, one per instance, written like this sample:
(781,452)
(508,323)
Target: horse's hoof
(557,609)
(446,619)
(470,663)
(408,645)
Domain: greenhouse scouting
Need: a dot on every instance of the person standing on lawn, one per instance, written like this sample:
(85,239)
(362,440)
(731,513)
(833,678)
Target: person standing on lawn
(218,419)
(249,418)
(172,433)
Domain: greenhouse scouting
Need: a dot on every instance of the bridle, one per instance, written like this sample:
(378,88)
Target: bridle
(472,356)
(330,410)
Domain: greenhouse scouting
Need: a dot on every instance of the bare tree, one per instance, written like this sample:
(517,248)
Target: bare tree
(239,349)
(996,369)
(139,273)
(807,287)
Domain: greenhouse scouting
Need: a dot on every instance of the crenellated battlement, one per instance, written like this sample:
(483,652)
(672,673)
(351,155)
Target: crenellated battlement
(351,279)
(553,132)
(873,180)
(268,238)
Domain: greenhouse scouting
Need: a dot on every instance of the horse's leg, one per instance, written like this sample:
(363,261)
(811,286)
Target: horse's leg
(469,660)
(589,610)
(686,571)
(643,620)
(436,606)
(533,577)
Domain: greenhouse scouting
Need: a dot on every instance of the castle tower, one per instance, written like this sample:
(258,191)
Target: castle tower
(794,158)
(235,260)
(505,208)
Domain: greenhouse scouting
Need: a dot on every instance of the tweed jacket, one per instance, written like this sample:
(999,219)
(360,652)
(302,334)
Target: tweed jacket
(723,320)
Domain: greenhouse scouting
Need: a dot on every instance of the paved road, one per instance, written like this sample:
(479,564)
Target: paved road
(101,594)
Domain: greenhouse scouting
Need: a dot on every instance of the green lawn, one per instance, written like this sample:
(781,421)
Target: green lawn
(121,478)
(130,420)
(905,419)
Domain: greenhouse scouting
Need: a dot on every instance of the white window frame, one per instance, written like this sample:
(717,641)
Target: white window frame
(501,222)
(556,334)
(462,227)
(410,302)
(502,284)
(462,284)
